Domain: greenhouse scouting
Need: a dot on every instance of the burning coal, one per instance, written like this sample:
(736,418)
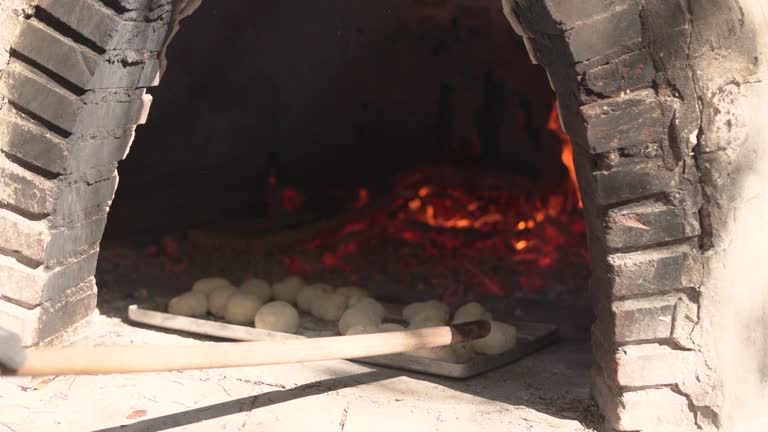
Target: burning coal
(457,232)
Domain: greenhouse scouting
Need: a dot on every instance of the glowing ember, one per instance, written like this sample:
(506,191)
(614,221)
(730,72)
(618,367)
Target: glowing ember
(362,197)
(456,231)
(290,199)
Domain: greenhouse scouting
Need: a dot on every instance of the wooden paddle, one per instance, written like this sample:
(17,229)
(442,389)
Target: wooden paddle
(154,358)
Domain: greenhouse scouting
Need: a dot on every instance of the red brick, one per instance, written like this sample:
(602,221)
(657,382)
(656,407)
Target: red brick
(626,74)
(81,200)
(654,271)
(642,365)
(36,242)
(102,25)
(36,144)
(605,32)
(96,110)
(25,190)
(76,63)
(67,199)
(22,236)
(656,409)
(644,319)
(649,223)
(634,180)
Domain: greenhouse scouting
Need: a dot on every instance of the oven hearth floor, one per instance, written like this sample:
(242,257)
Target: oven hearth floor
(548,391)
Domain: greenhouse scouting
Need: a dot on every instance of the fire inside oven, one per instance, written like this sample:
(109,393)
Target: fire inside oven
(470,196)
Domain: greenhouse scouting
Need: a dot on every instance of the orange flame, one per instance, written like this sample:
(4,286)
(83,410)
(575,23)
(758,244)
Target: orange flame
(566,154)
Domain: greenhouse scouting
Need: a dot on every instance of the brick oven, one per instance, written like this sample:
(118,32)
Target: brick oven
(660,100)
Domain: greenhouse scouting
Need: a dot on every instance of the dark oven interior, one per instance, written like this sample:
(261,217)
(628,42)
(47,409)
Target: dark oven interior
(412,150)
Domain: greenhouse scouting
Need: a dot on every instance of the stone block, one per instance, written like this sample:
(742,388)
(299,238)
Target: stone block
(654,271)
(626,121)
(605,32)
(627,74)
(31,287)
(52,317)
(649,223)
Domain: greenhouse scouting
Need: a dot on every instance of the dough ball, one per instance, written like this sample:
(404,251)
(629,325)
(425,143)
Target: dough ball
(191,303)
(277,316)
(287,290)
(258,287)
(329,307)
(445,353)
(503,337)
(218,299)
(208,285)
(361,329)
(351,292)
(308,293)
(471,312)
(420,324)
(390,327)
(241,308)
(369,306)
(358,317)
(431,310)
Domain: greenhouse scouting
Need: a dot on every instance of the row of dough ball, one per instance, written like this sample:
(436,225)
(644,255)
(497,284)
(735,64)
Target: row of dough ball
(247,305)
(244,304)
(502,337)
(367,318)
(355,312)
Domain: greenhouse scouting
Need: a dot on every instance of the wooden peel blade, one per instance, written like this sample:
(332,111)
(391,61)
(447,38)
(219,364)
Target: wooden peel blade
(212,355)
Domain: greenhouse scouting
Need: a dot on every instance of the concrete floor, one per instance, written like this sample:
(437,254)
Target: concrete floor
(548,391)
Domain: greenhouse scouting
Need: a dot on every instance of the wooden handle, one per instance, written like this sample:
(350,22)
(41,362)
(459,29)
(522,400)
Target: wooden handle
(154,358)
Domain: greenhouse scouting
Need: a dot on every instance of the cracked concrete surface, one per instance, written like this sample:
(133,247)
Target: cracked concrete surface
(546,392)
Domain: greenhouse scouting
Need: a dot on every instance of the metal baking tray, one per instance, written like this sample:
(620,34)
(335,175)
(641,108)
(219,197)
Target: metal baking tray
(532,337)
